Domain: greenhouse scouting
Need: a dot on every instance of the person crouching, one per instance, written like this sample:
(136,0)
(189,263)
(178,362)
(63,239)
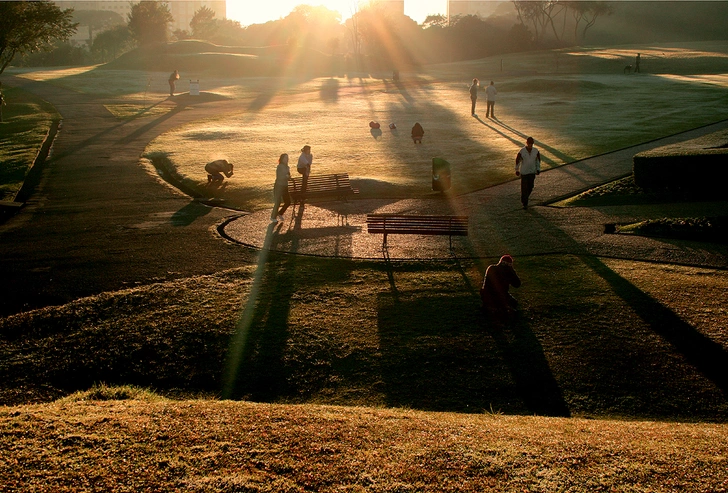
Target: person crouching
(496,283)
(216,169)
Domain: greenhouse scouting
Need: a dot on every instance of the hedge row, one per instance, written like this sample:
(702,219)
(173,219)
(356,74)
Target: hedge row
(687,168)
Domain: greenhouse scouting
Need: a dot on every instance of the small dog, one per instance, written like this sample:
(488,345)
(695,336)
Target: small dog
(628,69)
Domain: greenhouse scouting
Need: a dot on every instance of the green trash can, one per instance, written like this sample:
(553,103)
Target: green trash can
(440,175)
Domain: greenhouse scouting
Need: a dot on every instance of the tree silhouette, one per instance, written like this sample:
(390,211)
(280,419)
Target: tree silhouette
(148,21)
(28,27)
(203,23)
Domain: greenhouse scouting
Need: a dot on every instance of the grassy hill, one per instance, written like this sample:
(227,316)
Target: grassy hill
(386,377)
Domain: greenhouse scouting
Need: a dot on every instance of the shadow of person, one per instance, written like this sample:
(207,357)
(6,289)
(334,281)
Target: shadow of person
(189,213)
(521,350)
(376,132)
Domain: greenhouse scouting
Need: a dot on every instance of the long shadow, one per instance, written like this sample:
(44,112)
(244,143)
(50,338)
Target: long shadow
(189,214)
(329,92)
(146,128)
(255,367)
(522,351)
(707,356)
(564,157)
(439,353)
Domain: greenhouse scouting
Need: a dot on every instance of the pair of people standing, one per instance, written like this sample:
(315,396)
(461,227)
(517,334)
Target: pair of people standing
(490,95)
(283,175)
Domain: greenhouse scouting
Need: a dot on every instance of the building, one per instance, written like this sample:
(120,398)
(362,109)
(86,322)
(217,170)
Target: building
(391,6)
(181,10)
(482,9)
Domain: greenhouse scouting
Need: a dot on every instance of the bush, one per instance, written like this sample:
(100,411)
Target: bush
(697,166)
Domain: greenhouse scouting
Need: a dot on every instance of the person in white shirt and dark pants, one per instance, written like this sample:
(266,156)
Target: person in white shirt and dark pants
(528,165)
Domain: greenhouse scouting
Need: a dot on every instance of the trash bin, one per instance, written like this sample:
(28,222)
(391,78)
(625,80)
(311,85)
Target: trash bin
(195,87)
(440,175)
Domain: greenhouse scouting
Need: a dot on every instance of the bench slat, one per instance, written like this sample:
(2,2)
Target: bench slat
(334,185)
(417,224)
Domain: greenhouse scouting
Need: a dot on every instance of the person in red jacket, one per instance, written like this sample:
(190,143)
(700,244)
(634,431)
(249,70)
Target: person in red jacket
(498,279)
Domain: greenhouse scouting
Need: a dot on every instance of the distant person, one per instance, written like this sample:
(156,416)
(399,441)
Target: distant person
(280,190)
(173,78)
(528,165)
(490,94)
(637,64)
(417,133)
(305,160)
(2,103)
(473,96)
(496,283)
(216,169)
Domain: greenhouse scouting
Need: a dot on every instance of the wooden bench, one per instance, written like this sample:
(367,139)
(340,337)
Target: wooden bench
(407,224)
(335,186)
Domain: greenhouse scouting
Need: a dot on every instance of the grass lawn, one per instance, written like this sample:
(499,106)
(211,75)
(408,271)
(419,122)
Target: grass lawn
(26,120)
(593,338)
(386,377)
(571,115)
(427,382)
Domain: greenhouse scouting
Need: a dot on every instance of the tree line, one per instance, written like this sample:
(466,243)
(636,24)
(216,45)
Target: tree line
(39,30)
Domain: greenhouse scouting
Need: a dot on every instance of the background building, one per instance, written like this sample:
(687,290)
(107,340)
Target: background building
(182,11)
(482,9)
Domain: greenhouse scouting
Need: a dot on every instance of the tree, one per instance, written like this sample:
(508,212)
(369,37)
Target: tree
(149,21)
(435,20)
(111,43)
(203,23)
(28,27)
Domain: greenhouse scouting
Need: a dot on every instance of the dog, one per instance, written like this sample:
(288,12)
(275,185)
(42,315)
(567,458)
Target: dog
(628,69)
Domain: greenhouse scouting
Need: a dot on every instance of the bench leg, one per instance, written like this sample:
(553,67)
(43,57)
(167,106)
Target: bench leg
(384,240)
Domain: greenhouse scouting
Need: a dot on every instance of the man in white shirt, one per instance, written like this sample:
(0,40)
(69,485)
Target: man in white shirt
(490,93)
(528,165)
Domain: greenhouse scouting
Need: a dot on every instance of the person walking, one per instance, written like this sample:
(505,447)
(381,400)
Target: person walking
(637,64)
(473,96)
(496,283)
(173,78)
(490,94)
(280,189)
(528,165)
(305,160)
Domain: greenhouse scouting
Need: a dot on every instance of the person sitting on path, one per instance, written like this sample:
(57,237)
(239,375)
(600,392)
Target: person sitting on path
(215,170)
(528,165)
(305,161)
(490,94)
(173,78)
(496,283)
(417,133)
(473,96)
(280,189)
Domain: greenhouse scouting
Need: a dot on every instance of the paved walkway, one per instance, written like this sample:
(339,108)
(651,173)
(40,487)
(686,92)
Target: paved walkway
(98,221)
(498,224)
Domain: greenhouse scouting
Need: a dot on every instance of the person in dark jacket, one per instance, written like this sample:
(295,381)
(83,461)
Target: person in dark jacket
(496,283)
(473,95)
(417,133)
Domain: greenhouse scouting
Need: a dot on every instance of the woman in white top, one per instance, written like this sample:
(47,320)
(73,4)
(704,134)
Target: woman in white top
(280,189)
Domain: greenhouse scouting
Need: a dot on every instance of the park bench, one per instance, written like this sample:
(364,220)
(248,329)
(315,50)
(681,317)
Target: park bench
(336,186)
(405,224)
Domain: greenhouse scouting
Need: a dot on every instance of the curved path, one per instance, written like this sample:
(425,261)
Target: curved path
(498,224)
(98,221)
